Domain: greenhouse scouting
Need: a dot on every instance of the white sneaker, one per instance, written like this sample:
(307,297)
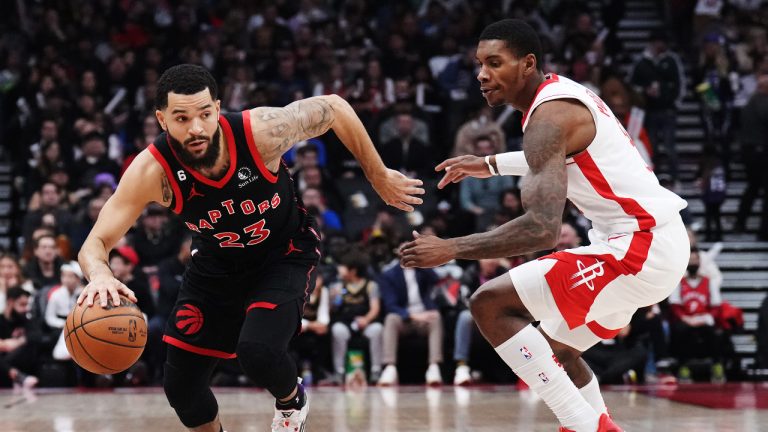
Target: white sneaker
(388,376)
(433,376)
(291,420)
(463,376)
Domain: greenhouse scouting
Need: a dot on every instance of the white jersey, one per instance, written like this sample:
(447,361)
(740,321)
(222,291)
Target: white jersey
(609,181)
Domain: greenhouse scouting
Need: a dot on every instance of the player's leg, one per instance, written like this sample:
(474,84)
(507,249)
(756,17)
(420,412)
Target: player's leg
(505,322)
(579,372)
(263,352)
(186,386)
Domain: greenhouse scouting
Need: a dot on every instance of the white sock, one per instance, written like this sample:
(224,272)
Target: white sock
(591,393)
(531,358)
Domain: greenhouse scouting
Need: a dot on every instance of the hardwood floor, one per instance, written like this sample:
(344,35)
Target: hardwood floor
(476,409)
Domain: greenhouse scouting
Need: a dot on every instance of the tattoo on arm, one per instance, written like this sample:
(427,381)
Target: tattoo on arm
(166,188)
(543,197)
(280,128)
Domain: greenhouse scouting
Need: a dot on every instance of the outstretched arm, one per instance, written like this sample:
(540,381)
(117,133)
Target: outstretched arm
(143,182)
(460,167)
(276,130)
(543,196)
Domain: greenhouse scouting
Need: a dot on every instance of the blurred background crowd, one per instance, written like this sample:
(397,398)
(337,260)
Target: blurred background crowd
(77,91)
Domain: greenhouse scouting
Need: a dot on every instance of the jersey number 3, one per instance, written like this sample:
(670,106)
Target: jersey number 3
(230,239)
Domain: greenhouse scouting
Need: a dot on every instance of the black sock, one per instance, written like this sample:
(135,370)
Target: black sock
(296,402)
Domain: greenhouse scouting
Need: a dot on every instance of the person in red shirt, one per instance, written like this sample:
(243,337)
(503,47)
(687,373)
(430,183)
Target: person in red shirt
(694,305)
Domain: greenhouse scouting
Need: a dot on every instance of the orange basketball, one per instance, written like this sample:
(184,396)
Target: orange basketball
(106,340)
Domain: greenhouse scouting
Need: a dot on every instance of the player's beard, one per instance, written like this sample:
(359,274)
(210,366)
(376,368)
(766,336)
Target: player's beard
(207,160)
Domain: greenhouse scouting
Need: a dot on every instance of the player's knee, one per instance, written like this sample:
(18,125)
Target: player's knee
(496,298)
(258,360)
(190,396)
(484,300)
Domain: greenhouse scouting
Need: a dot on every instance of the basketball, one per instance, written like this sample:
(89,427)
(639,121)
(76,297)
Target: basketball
(106,340)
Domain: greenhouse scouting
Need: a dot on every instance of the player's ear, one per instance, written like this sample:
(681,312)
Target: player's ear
(161,119)
(529,64)
(218,106)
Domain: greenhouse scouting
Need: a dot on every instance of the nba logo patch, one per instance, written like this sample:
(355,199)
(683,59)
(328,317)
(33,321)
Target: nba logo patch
(527,354)
(543,377)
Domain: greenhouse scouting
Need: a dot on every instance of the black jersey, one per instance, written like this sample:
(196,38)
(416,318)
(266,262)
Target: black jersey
(244,215)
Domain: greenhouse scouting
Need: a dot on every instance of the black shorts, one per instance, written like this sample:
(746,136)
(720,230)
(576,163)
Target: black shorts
(217,293)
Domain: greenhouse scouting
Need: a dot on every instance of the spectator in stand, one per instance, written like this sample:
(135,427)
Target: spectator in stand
(482,125)
(408,304)
(620,360)
(17,355)
(11,276)
(82,224)
(355,310)
(712,184)
(407,153)
(62,298)
(716,92)
(94,160)
(50,203)
(569,237)
(510,206)
(313,197)
(150,129)
(694,334)
(658,75)
(44,269)
(754,147)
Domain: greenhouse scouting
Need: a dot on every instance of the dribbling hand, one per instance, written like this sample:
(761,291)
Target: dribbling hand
(105,287)
(461,167)
(397,190)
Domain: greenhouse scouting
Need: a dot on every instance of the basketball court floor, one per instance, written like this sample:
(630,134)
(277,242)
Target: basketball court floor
(694,408)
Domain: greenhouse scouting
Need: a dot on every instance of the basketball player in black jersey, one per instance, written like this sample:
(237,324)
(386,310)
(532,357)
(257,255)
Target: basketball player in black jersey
(254,250)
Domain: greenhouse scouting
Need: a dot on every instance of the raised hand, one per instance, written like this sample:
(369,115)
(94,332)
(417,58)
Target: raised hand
(461,167)
(397,190)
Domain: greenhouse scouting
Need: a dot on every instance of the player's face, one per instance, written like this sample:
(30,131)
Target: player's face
(192,121)
(502,75)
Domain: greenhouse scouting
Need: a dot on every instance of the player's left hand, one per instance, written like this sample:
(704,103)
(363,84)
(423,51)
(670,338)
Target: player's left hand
(397,190)
(426,251)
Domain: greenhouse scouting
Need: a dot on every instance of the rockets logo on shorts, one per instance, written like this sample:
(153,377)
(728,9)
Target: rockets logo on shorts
(587,274)
(543,378)
(527,354)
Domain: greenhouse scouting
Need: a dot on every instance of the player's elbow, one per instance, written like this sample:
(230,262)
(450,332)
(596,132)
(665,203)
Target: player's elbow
(551,237)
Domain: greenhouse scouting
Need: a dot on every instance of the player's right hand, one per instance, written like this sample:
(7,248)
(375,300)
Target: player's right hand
(106,288)
(461,167)
(397,190)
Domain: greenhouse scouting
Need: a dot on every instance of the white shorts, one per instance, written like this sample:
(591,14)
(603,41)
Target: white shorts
(589,293)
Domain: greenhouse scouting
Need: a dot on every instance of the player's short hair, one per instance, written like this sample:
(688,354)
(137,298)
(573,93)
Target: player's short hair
(184,79)
(518,36)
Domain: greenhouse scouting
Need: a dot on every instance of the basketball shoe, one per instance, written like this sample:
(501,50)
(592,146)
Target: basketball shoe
(292,420)
(604,425)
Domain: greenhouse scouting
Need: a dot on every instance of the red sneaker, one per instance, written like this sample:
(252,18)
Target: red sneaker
(605,424)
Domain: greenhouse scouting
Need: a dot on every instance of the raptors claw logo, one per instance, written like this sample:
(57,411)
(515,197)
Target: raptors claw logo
(189,319)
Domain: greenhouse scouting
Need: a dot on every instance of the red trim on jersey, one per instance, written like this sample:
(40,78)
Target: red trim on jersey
(602,332)
(552,78)
(262,305)
(171,178)
(271,177)
(197,350)
(232,157)
(576,280)
(631,207)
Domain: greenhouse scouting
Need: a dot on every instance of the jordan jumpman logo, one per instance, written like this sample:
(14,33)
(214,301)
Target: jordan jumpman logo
(193,193)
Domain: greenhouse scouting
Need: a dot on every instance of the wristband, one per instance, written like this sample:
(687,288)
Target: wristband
(490,167)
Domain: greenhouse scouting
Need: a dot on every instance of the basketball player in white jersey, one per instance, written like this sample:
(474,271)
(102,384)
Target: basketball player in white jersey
(573,148)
